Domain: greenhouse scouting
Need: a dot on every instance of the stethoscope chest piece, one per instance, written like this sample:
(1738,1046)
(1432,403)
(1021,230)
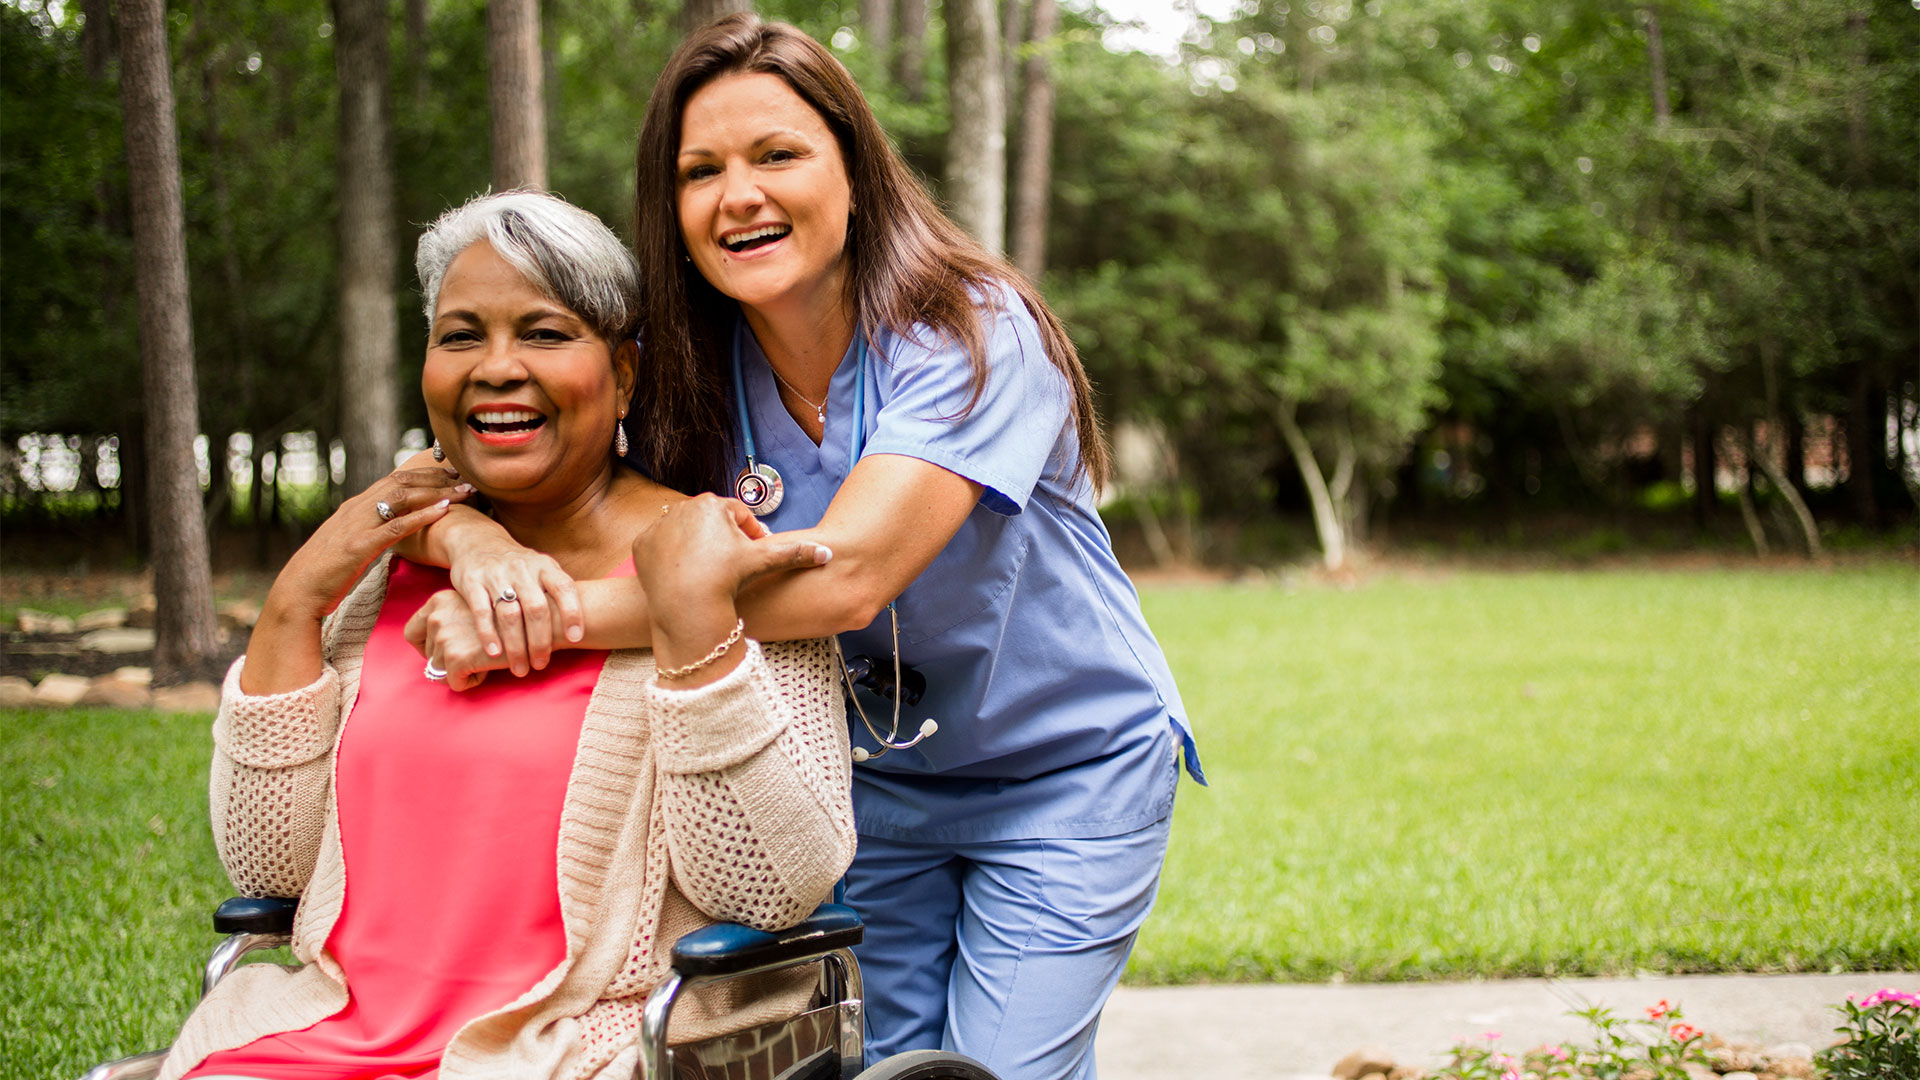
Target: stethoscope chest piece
(760,488)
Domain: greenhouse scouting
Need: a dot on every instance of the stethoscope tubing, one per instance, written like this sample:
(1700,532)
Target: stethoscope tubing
(856,445)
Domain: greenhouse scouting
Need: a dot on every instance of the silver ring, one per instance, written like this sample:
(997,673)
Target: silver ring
(508,596)
(433,672)
(384,510)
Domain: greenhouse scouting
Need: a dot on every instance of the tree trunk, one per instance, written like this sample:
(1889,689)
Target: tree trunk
(1705,491)
(369,324)
(976,186)
(910,50)
(515,95)
(1033,182)
(1866,430)
(1326,516)
(417,51)
(876,31)
(1657,65)
(1763,456)
(96,37)
(184,627)
(1011,35)
(698,13)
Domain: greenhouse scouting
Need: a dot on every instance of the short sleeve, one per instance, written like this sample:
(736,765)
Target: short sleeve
(1011,434)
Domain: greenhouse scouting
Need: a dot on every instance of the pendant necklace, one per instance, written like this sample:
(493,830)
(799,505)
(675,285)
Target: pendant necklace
(819,410)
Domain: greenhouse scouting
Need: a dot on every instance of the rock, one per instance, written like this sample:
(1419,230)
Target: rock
(1370,1059)
(237,614)
(1741,1075)
(140,613)
(42,622)
(60,690)
(15,692)
(203,697)
(125,639)
(143,676)
(1797,1068)
(1406,1072)
(115,693)
(1697,1071)
(1785,1051)
(104,619)
(1375,1076)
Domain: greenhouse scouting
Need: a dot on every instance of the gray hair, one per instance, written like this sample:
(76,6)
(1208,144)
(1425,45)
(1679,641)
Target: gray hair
(564,251)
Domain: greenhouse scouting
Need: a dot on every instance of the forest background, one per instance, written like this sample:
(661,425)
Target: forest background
(1562,276)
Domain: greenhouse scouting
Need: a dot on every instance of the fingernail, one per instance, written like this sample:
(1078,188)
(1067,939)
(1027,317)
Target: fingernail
(466,489)
(574,633)
(493,650)
(822,554)
(443,504)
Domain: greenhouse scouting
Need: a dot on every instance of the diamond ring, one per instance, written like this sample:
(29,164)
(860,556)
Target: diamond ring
(384,509)
(433,671)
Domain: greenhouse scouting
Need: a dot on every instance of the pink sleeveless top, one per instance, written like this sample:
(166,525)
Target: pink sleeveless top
(449,811)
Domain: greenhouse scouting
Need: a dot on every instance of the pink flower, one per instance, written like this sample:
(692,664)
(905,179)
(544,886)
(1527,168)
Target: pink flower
(1660,1010)
(1880,997)
(1560,1053)
(1683,1032)
(1510,1074)
(1491,1035)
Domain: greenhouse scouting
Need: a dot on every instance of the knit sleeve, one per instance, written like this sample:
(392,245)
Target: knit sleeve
(755,782)
(273,756)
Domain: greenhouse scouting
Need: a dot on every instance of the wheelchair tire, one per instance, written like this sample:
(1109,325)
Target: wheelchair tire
(928,1065)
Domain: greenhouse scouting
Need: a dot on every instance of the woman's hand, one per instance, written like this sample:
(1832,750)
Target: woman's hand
(486,567)
(284,651)
(444,631)
(692,563)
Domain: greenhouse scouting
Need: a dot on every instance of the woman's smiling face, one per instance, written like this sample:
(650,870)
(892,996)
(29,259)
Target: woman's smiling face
(522,393)
(763,195)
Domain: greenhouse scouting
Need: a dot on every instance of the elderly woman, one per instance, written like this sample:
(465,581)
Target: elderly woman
(569,826)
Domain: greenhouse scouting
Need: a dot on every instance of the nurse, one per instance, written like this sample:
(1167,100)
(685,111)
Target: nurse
(822,343)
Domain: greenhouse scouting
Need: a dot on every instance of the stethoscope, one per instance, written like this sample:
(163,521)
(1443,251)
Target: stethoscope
(759,486)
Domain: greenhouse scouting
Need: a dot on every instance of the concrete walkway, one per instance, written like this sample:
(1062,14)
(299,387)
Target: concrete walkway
(1294,1031)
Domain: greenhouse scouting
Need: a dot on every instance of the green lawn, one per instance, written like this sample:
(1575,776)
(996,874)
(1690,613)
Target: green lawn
(1450,775)
(1552,772)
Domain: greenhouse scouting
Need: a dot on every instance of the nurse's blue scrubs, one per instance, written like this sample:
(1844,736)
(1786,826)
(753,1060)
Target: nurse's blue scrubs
(1006,863)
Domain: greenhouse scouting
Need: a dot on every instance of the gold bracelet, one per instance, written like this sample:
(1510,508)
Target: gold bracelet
(720,650)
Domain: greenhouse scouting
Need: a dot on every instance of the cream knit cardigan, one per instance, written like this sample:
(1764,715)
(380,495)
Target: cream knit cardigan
(725,802)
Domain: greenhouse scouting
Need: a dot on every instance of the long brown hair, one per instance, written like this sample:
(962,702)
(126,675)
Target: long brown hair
(908,264)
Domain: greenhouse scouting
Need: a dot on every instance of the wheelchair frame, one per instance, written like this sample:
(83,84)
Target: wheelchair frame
(710,954)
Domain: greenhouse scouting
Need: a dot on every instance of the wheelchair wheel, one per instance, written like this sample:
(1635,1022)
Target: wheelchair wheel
(928,1065)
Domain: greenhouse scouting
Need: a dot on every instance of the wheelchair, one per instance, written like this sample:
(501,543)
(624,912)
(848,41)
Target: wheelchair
(824,1043)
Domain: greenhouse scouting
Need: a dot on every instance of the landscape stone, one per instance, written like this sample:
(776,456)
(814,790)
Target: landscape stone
(1741,1075)
(15,692)
(60,691)
(1797,1068)
(103,619)
(125,639)
(42,622)
(117,694)
(1697,1071)
(140,612)
(195,697)
(143,676)
(1784,1051)
(1370,1059)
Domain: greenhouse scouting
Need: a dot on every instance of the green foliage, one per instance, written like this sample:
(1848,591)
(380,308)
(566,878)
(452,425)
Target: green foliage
(1880,1038)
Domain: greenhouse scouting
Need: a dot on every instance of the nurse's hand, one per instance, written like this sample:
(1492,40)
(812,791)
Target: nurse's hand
(444,632)
(485,564)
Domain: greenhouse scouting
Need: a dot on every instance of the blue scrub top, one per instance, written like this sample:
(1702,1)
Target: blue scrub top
(1058,715)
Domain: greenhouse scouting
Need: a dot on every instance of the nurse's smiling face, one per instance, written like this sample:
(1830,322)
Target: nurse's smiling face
(763,196)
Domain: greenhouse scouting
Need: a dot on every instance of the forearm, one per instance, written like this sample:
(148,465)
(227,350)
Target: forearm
(463,528)
(284,652)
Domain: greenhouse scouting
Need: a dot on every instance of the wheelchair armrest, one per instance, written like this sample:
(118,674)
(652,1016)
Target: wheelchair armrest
(730,949)
(255,915)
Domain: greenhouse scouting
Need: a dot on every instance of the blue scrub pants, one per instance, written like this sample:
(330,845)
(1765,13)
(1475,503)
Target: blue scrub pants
(1002,951)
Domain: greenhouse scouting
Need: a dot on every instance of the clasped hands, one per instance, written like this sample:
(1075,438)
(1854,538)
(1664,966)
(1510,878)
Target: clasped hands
(690,562)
